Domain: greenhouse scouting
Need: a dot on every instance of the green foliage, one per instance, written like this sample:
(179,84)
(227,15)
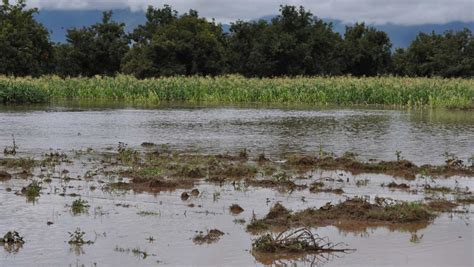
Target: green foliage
(24,43)
(433,92)
(169,44)
(32,190)
(97,49)
(294,43)
(448,55)
(404,212)
(76,238)
(366,51)
(79,206)
(21,92)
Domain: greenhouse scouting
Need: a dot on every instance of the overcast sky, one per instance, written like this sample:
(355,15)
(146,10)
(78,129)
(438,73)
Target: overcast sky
(407,12)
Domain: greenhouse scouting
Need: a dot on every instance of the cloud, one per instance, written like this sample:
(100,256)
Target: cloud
(406,12)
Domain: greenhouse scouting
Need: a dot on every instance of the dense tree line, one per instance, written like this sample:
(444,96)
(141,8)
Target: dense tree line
(293,43)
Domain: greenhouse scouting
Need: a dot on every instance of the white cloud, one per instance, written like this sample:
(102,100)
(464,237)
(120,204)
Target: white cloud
(406,12)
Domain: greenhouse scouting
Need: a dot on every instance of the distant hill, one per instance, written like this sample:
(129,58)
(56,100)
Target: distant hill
(58,21)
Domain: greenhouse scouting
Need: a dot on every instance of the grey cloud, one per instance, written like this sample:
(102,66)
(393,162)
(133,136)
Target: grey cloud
(406,12)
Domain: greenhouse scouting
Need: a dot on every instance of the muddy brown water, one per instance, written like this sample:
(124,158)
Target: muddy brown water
(120,221)
(421,135)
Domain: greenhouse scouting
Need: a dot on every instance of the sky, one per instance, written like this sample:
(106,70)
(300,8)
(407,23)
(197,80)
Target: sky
(404,12)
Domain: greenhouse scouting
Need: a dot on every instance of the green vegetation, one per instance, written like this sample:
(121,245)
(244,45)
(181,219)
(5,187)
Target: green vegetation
(355,210)
(76,238)
(435,92)
(32,191)
(190,49)
(19,92)
(79,206)
(293,43)
(24,43)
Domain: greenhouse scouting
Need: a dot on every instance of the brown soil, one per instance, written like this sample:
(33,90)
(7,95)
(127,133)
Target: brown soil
(441,205)
(195,192)
(351,210)
(394,185)
(465,200)
(154,185)
(236,209)
(267,183)
(5,176)
(317,188)
(180,169)
(399,168)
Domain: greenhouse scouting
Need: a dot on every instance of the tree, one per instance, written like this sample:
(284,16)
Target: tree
(366,50)
(169,44)
(449,55)
(251,47)
(93,50)
(294,43)
(24,43)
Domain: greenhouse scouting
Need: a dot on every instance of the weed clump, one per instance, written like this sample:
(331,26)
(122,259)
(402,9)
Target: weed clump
(296,241)
(275,216)
(393,185)
(79,206)
(400,168)
(441,205)
(465,200)
(351,210)
(11,150)
(77,238)
(317,187)
(127,155)
(32,190)
(12,241)
(438,189)
(212,236)
(243,154)
(24,163)
(12,237)
(148,144)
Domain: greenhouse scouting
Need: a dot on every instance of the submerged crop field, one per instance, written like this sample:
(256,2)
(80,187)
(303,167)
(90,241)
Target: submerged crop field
(101,186)
(344,91)
(284,210)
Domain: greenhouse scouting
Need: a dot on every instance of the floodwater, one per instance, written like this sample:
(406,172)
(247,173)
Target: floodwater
(120,221)
(421,135)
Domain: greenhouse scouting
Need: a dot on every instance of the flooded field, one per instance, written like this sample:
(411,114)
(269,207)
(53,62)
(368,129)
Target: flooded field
(422,135)
(117,186)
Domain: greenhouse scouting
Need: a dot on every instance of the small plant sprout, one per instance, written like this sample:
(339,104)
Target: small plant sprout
(77,238)
(398,154)
(11,150)
(32,191)
(216,196)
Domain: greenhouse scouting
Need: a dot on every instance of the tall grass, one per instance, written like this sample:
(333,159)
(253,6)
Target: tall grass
(435,92)
(20,92)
